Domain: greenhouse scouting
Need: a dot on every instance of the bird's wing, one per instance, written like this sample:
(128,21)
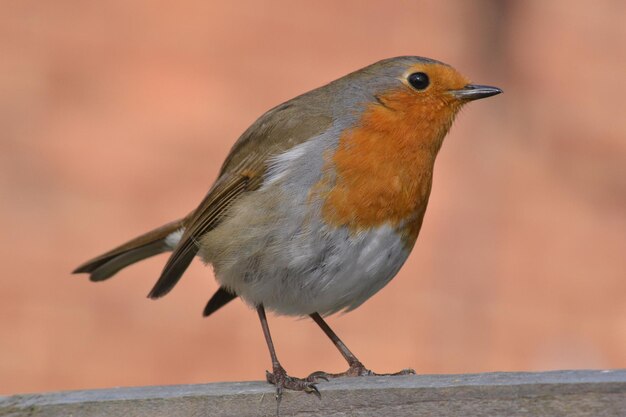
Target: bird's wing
(201,221)
(275,132)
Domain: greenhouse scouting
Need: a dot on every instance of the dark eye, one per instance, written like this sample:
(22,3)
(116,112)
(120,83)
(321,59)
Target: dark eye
(419,80)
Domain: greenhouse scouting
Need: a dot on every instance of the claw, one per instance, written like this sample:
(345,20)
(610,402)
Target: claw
(315,376)
(278,395)
(313,389)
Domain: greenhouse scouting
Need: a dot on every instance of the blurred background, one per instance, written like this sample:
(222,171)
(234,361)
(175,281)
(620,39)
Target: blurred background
(115,117)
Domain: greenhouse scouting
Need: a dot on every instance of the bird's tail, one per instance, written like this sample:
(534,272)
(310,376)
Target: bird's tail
(162,239)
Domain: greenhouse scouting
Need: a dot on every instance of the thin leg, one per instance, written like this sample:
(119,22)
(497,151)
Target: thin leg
(268,336)
(343,349)
(356,368)
(279,376)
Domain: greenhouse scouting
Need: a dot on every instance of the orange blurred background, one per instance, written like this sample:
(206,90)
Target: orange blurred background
(116,115)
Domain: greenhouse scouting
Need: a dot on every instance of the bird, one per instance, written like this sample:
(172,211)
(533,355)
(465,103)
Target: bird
(319,202)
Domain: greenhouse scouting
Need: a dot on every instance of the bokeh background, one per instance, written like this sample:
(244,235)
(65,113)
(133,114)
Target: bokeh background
(115,117)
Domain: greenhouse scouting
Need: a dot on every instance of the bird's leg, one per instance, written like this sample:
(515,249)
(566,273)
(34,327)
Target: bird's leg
(279,376)
(356,368)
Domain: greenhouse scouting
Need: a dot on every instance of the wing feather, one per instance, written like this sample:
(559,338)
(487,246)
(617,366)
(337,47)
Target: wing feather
(203,220)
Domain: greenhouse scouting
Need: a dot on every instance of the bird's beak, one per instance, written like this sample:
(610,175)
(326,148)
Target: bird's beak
(474,92)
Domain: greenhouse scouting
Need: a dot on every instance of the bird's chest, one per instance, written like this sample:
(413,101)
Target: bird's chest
(376,178)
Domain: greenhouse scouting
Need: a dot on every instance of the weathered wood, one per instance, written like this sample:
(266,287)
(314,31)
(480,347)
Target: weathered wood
(559,393)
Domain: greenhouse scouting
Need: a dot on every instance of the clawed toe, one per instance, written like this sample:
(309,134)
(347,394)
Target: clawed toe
(355,369)
(367,372)
(317,376)
(283,381)
(407,371)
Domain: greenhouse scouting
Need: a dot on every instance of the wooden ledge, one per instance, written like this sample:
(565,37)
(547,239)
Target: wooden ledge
(558,393)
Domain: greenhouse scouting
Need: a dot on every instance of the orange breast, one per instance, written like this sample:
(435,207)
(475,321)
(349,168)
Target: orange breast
(382,169)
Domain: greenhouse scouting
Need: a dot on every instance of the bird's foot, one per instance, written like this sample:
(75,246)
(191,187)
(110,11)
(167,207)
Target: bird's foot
(355,369)
(283,381)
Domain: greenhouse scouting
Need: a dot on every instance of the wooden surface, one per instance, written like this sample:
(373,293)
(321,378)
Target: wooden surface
(559,393)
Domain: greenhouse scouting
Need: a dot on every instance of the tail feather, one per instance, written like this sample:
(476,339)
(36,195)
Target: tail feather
(219,300)
(152,243)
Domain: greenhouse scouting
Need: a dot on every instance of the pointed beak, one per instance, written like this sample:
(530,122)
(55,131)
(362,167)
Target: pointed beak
(474,92)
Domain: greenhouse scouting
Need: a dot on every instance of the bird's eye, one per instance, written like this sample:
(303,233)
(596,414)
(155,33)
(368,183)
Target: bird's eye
(419,80)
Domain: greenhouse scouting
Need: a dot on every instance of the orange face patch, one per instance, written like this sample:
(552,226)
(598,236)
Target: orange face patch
(383,166)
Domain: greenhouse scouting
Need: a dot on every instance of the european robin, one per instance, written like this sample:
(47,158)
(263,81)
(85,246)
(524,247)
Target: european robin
(319,202)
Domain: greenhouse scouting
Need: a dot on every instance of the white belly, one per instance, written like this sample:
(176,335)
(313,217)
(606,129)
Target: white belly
(282,256)
(313,269)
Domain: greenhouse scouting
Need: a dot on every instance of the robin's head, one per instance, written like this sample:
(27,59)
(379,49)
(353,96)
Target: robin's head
(414,94)
(410,81)
(420,88)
